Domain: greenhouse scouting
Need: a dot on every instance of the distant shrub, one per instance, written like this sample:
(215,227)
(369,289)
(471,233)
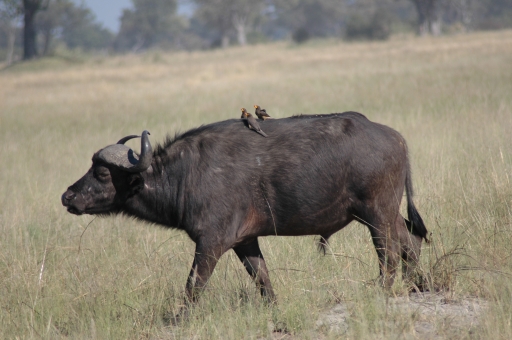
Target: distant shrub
(300,35)
(376,27)
(256,38)
(494,23)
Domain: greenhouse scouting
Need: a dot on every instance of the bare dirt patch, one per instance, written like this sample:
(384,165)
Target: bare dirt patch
(431,315)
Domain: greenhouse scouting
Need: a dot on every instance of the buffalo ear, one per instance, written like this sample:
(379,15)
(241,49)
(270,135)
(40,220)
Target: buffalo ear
(136,183)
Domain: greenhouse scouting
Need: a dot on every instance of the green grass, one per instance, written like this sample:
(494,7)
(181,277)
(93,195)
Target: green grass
(63,276)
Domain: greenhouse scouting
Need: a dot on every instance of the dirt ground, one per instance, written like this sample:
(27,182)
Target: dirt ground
(433,315)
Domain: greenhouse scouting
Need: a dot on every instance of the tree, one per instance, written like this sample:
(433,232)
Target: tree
(78,28)
(73,25)
(368,19)
(30,9)
(310,18)
(244,14)
(492,14)
(464,10)
(429,18)
(226,16)
(9,13)
(47,22)
(147,24)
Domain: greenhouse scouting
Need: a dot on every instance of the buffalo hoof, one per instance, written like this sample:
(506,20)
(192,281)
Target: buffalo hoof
(280,327)
(176,320)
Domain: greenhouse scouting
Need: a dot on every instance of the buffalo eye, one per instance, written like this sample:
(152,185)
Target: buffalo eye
(101,173)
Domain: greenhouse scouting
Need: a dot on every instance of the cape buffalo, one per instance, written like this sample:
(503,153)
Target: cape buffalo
(226,185)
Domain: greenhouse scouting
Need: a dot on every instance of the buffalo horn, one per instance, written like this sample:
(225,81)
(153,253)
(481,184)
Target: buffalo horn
(127,138)
(125,158)
(146,154)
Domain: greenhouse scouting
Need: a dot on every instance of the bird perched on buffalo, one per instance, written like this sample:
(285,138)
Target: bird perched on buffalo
(252,123)
(261,113)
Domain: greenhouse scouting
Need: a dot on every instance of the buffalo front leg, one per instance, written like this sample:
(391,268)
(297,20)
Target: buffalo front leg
(253,261)
(205,260)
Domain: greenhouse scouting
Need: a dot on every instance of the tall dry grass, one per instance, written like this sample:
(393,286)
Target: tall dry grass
(64,276)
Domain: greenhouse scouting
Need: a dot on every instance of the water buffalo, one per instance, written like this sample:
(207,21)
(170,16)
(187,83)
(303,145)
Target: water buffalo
(226,185)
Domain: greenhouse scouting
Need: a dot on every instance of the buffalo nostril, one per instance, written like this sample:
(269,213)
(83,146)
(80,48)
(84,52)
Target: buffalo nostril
(68,196)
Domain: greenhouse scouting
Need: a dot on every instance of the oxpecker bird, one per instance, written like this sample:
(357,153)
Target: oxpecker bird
(261,113)
(252,123)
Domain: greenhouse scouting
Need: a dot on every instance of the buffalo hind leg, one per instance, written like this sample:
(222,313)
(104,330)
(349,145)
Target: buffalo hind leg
(410,246)
(385,240)
(253,261)
(205,260)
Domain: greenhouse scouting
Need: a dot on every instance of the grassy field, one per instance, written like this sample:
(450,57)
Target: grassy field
(63,276)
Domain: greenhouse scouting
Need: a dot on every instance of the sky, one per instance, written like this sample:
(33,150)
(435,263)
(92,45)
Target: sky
(108,12)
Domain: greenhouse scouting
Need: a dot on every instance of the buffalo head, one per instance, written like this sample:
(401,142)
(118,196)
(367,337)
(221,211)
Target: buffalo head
(115,176)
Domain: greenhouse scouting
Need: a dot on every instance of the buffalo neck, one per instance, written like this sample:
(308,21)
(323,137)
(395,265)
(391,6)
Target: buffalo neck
(157,202)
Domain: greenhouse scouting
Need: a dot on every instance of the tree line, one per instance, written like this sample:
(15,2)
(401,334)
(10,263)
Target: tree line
(37,26)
